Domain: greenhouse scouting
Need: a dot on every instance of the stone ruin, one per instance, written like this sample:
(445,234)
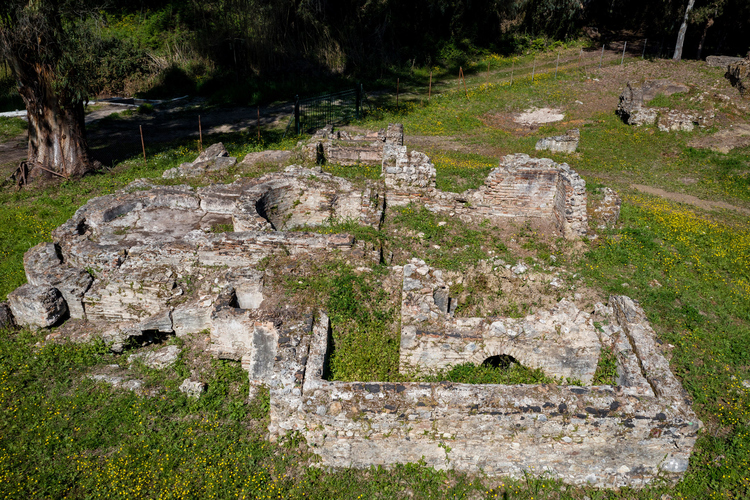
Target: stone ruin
(153,260)
(567,143)
(738,74)
(633,110)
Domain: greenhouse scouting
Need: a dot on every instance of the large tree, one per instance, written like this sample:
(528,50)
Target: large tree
(42,41)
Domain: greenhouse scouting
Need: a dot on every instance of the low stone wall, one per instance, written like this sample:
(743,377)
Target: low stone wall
(562,342)
(603,436)
(342,148)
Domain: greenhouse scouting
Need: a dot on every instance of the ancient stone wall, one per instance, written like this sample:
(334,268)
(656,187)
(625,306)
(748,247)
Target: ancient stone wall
(342,148)
(604,436)
(124,257)
(534,187)
(562,342)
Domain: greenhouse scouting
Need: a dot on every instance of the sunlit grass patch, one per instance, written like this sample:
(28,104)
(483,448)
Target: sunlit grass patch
(458,172)
(11,127)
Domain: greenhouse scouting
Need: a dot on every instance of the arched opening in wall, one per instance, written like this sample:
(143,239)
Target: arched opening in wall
(502,361)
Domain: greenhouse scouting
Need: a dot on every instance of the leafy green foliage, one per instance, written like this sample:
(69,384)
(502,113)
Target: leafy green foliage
(606,368)
(468,373)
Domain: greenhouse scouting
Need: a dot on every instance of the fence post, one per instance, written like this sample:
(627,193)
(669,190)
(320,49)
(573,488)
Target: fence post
(601,58)
(644,49)
(557,64)
(143,146)
(623,53)
(296,115)
(357,97)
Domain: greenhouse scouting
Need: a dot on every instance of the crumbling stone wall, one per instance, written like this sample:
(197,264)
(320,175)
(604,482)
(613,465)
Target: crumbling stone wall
(604,436)
(562,342)
(342,148)
(409,176)
(522,186)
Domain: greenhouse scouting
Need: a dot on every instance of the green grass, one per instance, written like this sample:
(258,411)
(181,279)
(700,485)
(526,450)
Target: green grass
(606,368)
(451,245)
(11,127)
(692,277)
(468,373)
(360,316)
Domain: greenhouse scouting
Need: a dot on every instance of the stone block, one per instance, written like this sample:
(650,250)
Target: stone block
(190,317)
(722,62)
(37,306)
(567,143)
(192,388)
(159,359)
(266,157)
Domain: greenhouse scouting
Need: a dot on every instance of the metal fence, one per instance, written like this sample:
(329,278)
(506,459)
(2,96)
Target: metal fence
(336,108)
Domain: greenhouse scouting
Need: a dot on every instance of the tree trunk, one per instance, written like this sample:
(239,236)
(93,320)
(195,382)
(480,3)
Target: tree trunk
(57,131)
(709,23)
(681,35)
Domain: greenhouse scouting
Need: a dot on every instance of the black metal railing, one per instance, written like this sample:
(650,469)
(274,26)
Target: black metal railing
(336,108)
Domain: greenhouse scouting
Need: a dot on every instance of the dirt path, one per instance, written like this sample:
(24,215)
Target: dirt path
(688,199)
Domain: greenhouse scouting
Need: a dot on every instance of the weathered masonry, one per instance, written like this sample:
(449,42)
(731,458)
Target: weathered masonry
(607,436)
(180,260)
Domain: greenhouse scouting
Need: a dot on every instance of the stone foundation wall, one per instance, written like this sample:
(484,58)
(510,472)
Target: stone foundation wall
(562,342)
(604,436)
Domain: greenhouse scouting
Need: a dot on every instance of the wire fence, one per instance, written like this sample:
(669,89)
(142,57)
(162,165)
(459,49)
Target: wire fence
(339,108)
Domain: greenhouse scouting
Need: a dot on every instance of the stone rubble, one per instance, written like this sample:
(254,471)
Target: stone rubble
(192,388)
(607,211)
(738,74)
(633,110)
(567,143)
(215,158)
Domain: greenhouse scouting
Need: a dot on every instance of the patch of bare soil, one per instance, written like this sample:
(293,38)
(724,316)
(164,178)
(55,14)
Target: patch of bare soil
(688,199)
(506,122)
(736,135)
